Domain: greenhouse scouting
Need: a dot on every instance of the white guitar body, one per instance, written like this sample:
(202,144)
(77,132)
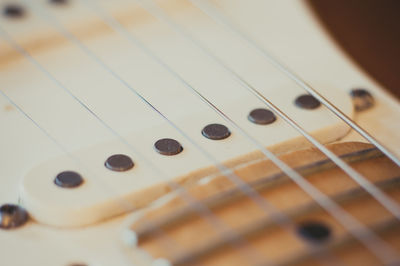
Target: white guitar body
(86,225)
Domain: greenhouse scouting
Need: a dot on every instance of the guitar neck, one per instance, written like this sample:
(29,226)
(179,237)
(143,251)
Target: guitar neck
(190,132)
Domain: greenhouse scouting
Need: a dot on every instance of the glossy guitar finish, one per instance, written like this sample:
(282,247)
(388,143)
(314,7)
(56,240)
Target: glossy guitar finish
(30,158)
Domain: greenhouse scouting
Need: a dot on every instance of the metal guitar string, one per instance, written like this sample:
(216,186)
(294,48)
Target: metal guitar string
(348,220)
(362,233)
(223,20)
(225,232)
(277,217)
(51,138)
(392,206)
(387,202)
(280,218)
(86,108)
(123,203)
(383,199)
(223,169)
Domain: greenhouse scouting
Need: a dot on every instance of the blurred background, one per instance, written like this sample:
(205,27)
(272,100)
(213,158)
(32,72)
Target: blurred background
(368,31)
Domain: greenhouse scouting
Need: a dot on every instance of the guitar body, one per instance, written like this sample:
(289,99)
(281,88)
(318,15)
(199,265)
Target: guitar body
(46,130)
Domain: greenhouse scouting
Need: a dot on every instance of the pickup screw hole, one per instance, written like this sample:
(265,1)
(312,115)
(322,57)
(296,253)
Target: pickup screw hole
(362,99)
(12,216)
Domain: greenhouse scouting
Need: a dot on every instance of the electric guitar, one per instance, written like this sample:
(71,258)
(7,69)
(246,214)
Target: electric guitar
(190,132)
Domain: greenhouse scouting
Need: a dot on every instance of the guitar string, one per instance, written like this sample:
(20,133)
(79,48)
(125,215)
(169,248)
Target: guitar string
(123,203)
(163,17)
(391,205)
(223,20)
(282,218)
(222,169)
(225,232)
(161,114)
(54,141)
(362,233)
(228,235)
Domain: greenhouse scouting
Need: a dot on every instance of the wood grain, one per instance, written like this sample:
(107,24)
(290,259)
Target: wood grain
(194,235)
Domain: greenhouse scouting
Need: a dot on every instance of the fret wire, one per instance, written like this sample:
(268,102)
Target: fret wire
(381,197)
(223,20)
(376,246)
(279,217)
(225,231)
